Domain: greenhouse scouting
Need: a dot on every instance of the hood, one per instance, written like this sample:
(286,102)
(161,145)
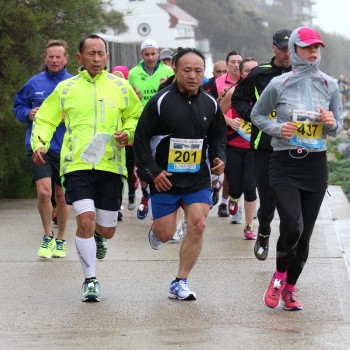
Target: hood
(298,64)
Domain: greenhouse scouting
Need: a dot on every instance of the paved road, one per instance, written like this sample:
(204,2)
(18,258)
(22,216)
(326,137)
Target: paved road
(40,299)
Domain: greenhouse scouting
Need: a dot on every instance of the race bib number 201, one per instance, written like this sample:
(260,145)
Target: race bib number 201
(185,155)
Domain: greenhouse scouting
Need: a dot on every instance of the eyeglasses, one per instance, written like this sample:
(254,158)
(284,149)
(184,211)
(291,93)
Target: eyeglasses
(221,71)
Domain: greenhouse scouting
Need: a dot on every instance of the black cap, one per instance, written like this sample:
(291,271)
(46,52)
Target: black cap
(281,37)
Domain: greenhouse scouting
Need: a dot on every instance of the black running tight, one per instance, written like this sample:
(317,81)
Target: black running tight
(298,212)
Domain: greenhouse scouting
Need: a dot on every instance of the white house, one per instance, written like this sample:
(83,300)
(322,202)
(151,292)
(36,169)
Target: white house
(161,20)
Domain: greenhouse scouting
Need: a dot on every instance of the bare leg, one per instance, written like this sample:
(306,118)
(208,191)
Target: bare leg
(44,190)
(191,246)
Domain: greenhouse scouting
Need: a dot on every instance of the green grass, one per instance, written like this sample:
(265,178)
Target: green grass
(339,169)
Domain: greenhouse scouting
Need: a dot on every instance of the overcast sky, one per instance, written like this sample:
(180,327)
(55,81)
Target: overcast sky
(333,16)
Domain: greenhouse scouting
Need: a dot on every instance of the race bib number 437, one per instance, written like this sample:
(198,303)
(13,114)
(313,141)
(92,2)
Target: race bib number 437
(185,155)
(309,129)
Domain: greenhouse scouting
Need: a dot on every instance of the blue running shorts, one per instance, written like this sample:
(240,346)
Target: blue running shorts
(165,204)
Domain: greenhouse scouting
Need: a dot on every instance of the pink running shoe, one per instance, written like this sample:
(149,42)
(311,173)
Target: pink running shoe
(249,233)
(273,294)
(232,206)
(290,301)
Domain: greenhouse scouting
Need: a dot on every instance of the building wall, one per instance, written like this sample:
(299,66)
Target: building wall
(146,19)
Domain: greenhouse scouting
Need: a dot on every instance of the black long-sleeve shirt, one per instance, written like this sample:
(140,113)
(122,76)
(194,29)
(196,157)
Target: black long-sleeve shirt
(172,114)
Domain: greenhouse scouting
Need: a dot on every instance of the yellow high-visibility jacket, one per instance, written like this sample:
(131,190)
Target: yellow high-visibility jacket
(103,104)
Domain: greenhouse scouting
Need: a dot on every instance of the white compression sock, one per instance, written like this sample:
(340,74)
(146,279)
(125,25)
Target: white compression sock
(86,249)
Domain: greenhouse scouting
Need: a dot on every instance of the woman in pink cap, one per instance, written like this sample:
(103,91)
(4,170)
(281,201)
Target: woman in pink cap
(308,106)
(121,71)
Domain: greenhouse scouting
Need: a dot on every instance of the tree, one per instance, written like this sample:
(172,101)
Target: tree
(241,26)
(26,25)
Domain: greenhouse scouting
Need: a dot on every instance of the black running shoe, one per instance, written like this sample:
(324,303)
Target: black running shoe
(216,194)
(101,246)
(223,211)
(261,247)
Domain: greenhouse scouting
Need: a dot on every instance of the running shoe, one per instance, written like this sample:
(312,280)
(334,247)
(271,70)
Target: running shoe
(222,211)
(237,218)
(60,249)
(249,233)
(120,216)
(180,290)
(184,227)
(216,194)
(261,247)
(273,294)
(153,241)
(142,210)
(232,206)
(47,245)
(91,290)
(131,202)
(178,233)
(101,245)
(290,301)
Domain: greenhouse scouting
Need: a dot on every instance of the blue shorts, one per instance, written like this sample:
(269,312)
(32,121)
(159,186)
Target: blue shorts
(165,204)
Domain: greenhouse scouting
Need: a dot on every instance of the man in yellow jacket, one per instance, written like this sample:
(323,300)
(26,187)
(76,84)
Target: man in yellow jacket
(100,111)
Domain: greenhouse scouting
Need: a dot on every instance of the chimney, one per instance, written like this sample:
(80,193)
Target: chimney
(172,2)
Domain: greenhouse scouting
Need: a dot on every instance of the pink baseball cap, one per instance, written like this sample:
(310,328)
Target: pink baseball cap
(122,69)
(307,36)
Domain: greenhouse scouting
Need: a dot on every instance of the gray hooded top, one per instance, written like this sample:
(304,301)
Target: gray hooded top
(304,89)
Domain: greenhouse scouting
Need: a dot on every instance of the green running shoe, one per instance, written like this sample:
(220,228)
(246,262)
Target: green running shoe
(91,290)
(101,245)
(47,245)
(60,249)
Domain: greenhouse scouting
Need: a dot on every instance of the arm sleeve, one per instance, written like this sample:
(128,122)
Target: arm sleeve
(217,137)
(243,98)
(48,117)
(214,90)
(337,109)
(261,110)
(147,168)
(132,113)
(22,104)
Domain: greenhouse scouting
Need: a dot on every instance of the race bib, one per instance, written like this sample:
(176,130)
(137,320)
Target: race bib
(309,130)
(96,148)
(185,155)
(245,129)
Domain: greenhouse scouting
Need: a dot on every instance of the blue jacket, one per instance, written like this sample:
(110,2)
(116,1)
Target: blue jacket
(32,95)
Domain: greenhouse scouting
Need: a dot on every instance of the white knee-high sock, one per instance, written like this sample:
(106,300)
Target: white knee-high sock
(86,249)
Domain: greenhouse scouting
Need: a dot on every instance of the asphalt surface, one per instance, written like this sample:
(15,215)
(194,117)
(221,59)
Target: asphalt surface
(41,304)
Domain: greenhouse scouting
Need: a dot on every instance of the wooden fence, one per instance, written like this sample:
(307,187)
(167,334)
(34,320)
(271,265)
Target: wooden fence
(123,54)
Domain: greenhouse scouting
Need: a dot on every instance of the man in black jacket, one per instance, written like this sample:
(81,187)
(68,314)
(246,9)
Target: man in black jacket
(243,100)
(179,141)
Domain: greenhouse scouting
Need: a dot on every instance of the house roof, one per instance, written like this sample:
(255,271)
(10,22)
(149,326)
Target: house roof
(179,14)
